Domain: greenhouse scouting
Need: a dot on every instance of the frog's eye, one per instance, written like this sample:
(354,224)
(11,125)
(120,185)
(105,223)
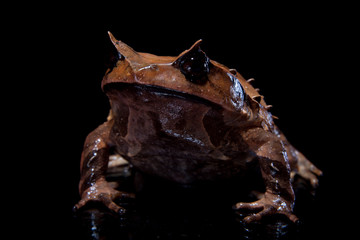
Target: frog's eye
(194,64)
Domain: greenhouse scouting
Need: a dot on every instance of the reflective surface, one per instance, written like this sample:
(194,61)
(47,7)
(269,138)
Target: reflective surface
(163,210)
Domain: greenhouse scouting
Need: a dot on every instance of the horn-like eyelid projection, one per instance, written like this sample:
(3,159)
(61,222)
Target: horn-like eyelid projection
(194,64)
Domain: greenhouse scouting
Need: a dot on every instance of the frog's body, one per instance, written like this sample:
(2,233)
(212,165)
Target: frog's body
(189,119)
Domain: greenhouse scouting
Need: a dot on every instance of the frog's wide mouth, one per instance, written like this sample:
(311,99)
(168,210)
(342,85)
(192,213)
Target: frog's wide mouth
(157,91)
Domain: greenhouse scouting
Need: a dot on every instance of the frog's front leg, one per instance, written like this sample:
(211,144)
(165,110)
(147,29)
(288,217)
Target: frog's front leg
(93,166)
(279,196)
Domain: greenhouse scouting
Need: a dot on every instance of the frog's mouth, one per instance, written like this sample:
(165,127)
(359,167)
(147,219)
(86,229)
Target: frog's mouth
(157,91)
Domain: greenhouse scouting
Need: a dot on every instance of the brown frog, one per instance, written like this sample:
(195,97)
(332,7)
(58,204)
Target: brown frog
(189,119)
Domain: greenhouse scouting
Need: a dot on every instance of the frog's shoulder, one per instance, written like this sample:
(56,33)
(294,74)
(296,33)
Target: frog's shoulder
(251,92)
(255,101)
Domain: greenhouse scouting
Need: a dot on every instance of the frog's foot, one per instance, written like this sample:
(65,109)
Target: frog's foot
(102,191)
(307,170)
(269,205)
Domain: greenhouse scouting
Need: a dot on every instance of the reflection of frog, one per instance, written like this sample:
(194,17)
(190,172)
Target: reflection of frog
(188,119)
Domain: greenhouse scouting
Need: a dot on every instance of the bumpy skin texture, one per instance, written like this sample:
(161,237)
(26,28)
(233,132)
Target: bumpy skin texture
(189,119)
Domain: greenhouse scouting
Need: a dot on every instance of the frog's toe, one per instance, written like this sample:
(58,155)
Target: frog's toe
(255,211)
(103,192)
(310,173)
(267,206)
(307,170)
(113,206)
(258,216)
(79,205)
(106,200)
(253,206)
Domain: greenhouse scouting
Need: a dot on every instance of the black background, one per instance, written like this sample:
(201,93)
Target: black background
(295,52)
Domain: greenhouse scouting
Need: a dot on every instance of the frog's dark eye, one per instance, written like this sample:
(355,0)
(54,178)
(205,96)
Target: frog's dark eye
(195,67)
(194,64)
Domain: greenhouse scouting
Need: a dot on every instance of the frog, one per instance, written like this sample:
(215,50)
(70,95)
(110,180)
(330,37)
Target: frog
(189,119)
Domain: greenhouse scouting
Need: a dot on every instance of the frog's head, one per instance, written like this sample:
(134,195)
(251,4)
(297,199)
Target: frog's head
(192,72)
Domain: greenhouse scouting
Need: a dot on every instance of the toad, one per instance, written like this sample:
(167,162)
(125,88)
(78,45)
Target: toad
(189,119)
